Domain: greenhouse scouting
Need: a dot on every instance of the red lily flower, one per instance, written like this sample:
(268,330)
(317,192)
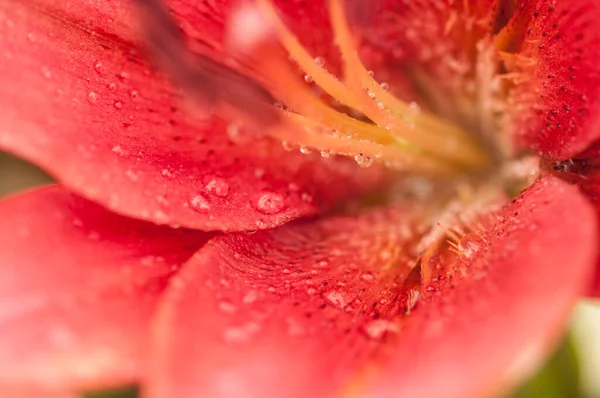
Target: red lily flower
(143,265)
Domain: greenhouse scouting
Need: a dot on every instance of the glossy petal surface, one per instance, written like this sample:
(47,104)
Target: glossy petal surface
(97,118)
(78,285)
(319,309)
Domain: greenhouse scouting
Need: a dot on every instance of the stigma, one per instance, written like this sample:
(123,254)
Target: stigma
(360,117)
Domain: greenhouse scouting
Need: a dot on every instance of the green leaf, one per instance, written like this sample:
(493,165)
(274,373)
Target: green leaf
(559,378)
(129,392)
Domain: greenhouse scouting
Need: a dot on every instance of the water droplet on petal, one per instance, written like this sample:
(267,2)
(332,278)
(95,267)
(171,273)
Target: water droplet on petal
(250,297)
(307,198)
(289,146)
(118,105)
(132,175)
(308,78)
(226,307)
(336,299)
(378,328)
(200,203)
(320,61)
(241,334)
(92,97)
(363,161)
(217,186)
(167,173)
(325,154)
(367,276)
(259,173)
(305,150)
(98,67)
(270,202)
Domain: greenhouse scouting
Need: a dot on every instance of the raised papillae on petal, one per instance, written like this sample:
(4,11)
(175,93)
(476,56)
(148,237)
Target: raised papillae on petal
(339,307)
(78,286)
(556,110)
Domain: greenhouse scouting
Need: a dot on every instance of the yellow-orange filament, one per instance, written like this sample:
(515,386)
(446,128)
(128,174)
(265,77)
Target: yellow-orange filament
(397,133)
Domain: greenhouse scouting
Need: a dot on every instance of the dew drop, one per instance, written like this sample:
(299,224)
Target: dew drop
(200,203)
(320,61)
(118,105)
(241,334)
(148,261)
(270,203)
(217,186)
(325,154)
(132,175)
(378,328)
(92,97)
(289,146)
(259,173)
(336,299)
(305,150)
(308,78)
(167,173)
(363,161)
(414,108)
(98,67)
(134,94)
(469,246)
(367,276)
(119,150)
(226,307)
(306,197)
(323,263)
(250,297)
(385,86)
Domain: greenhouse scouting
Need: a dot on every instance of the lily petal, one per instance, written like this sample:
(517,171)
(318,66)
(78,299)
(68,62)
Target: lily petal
(557,111)
(318,309)
(78,285)
(83,105)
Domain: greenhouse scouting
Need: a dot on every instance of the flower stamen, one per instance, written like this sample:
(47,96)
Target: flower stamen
(398,133)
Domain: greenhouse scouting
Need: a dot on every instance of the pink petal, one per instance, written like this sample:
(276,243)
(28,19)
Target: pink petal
(78,285)
(317,309)
(96,117)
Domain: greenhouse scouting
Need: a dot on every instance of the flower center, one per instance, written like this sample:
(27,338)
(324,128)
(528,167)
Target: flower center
(360,118)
